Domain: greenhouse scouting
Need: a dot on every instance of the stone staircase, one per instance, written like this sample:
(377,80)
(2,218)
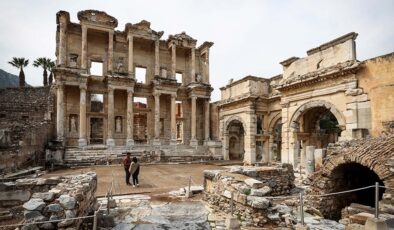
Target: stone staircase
(101,154)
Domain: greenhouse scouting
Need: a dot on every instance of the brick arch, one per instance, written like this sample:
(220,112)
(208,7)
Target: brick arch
(314,104)
(374,154)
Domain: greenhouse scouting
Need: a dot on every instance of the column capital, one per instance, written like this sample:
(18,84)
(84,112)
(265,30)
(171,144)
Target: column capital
(130,90)
(174,96)
(193,96)
(156,94)
(111,89)
(130,36)
(83,87)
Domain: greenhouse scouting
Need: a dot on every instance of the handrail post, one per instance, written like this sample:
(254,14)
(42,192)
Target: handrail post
(302,209)
(232,203)
(377,200)
(95,220)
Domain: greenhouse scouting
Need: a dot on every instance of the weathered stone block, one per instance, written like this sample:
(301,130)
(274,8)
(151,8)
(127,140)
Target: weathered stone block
(34,204)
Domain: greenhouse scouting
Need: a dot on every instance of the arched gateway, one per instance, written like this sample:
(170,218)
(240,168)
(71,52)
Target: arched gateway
(352,165)
(234,134)
(315,123)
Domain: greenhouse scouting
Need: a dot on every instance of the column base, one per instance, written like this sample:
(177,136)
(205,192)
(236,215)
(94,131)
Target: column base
(82,142)
(110,142)
(156,142)
(129,142)
(173,142)
(206,142)
(193,142)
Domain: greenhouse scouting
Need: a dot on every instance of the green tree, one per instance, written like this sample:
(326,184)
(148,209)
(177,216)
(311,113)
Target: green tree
(50,68)
(44,63)
(20,63)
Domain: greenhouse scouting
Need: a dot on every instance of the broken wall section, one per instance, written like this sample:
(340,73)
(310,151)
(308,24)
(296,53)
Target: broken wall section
(26,126)
(252,189)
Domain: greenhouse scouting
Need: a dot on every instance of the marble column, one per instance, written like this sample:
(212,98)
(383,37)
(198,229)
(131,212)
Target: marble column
(173,119)
(207,122)
(225,147)
(310,160)
(130,118)
(82,117)
(111,118)
(156,141)
(131,57)
(84,56)
(157,57)
(206,70)
(60,112)
(173,61)
(62,43)
(193,65)
(193,141)
(110,51)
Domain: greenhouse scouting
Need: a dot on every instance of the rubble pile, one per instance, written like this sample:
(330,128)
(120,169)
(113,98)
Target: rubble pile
(55,198)
(252,190)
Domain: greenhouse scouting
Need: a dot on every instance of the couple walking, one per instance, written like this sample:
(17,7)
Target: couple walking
(132,168)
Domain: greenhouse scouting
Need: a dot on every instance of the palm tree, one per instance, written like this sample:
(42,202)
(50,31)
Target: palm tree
(50,68)
(20,63)
(44,63)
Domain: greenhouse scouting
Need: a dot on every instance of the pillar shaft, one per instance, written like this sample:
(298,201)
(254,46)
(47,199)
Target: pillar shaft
(157,116)
(207,121)
(193,140)
(173,119)
(60,113)
(130,118)
(110,51)
(111,118)
(206,72)
(193,65)
(82,117)
(157,57)
(173,61)
(225,146)
(62,44)
(131,56)
(84,57)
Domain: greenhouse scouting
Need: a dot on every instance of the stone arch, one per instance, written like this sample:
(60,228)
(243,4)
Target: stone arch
(370,154)
(234,118)
(274,121)
(313,104)
(226,136)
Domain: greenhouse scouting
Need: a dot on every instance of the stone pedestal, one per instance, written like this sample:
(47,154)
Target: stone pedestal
(193,142)
(375,224)
(156,142)
(232,223)
(310,160)
(320,154)
(82,142)
(301,227)
(129,142)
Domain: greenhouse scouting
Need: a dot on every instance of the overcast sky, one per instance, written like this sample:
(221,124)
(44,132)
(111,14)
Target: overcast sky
(251,37)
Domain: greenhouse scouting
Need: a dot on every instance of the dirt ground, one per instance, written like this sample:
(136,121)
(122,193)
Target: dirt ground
(153,179)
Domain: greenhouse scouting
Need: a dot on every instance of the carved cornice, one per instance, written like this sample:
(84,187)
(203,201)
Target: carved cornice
(339,70)
(97,17)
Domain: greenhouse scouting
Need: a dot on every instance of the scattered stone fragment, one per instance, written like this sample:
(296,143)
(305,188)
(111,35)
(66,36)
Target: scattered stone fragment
(67,202)
(34,204)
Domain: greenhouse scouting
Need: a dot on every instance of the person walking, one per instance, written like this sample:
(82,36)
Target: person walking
(126,164)
(134,171)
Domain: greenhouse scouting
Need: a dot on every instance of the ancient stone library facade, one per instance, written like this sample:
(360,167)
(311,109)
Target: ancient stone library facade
(147,90)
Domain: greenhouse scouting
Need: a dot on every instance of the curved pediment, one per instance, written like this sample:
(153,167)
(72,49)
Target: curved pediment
(97,17)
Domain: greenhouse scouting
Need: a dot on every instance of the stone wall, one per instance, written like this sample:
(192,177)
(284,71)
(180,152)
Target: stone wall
(53,198)
(252,189)
(26,125)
